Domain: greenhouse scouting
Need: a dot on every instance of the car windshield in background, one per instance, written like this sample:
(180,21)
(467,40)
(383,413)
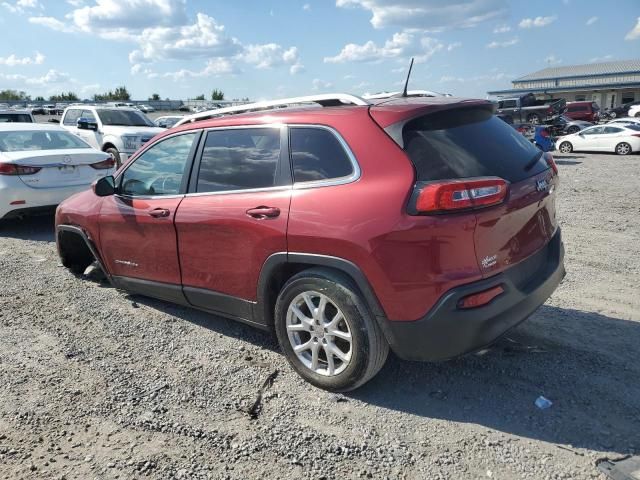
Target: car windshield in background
(39,140)
(466,143)
(126,118)
(15,117)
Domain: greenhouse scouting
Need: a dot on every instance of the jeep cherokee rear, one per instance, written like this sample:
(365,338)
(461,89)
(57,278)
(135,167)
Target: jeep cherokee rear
(423,224)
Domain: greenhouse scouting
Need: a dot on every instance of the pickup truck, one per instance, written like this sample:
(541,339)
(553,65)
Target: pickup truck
(527,108)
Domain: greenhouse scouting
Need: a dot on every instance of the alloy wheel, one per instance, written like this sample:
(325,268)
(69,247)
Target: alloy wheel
(319,333)
(623,149)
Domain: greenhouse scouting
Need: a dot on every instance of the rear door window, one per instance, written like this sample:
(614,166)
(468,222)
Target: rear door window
(240,159)
(471,142)
(316,154)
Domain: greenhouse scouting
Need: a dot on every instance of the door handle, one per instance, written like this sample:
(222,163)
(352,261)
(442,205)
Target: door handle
(159,212)
(263,212)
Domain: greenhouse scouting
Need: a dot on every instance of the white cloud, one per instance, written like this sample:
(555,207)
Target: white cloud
(53,24)
(537,22)
(361,86)
(306,7)
(475,79)
(507,43)
(429,14)
(453,46)
(591,21)
(604,58)
(318,84)
(400,45)
(12,60)
(21,6)
(634,33)
(552,59)
(75,3)
(502,29)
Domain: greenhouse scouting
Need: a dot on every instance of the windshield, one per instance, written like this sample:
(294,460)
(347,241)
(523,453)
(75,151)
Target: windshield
(471,142)
(15,117)
(126,118)
(39,140)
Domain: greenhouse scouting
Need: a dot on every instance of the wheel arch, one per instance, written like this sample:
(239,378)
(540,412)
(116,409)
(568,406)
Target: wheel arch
(279,267)
(72,231)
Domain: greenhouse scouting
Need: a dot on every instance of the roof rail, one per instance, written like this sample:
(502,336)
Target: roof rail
(325,100)
(410,93)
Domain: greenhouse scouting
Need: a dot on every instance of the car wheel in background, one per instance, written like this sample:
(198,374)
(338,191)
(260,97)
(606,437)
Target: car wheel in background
(613,115)
(115,154)
(533,118)
(326,331)
(565,147)
(573,129)
(623,148)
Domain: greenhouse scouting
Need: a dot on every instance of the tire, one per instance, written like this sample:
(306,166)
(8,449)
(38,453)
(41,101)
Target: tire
(573,129)
(623,148)
(612,115)
(565,147)
(637,115)
(359,338)
(534,119)
(115,154)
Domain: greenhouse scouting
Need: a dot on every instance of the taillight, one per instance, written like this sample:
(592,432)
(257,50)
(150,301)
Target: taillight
(451,195)
(551,162)
(108,163)
(13,169)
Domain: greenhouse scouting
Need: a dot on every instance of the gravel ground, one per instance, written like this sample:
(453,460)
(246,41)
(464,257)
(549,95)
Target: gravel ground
(95,383)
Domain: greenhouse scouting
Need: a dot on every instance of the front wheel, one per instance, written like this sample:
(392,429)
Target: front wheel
(326,331)
(565,147)
(623,148)
(115,154)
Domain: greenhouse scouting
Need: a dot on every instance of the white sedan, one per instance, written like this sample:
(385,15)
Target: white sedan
(621,139)
(41,165)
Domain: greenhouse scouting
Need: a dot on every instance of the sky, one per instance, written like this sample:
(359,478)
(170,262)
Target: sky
(279,48)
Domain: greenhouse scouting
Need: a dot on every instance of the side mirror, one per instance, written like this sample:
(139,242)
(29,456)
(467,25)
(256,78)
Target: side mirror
(105,187)
(86,124)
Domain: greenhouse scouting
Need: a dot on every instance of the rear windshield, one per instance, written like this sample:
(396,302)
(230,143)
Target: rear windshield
(124,117)
(466,143)
(15,117)
(43,140)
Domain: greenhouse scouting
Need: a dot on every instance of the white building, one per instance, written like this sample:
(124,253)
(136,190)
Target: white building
(610,84)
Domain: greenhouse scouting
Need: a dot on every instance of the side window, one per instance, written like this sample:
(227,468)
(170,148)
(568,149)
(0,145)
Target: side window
(508,104)
(612,130)
(88,114)
(593,131)
(71,118)
(160,169)
(316,154)
(239,159)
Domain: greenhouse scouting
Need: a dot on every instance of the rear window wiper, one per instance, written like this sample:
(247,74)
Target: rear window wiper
(533,162)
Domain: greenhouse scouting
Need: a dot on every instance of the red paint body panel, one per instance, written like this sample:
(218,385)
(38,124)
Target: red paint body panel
(135,244)
(518,228)
(82,210)
(221,247)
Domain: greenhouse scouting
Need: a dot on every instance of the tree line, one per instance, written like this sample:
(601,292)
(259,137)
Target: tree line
(119,94)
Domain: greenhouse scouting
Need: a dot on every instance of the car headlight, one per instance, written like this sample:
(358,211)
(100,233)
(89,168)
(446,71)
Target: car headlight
(131,143)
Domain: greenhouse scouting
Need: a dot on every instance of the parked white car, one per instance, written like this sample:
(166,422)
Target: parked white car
(146,108)
(634,111)
(168,121)
(119,131)
(621,139)
(41,165)
(19,116)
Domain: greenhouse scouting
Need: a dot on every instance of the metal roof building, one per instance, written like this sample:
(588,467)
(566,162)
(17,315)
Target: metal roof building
(609,83)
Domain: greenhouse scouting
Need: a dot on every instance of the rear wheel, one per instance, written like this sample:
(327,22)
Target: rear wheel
(623,148)
(612,115)
(533,118)
(115,154)
(326,331)
(573,129)
(565,147)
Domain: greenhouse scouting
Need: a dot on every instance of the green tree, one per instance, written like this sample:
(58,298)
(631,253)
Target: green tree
(64,97)
(39,99)
(199,97)
(217,94)
(120,93)
(154,97)
(13,95)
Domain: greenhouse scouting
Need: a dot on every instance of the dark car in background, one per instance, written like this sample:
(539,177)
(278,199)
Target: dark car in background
(563,125)
(622,110)
(587,111)
(527,108)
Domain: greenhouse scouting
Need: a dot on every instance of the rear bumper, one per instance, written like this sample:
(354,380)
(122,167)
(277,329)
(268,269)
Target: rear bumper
(448,331)
(34,198)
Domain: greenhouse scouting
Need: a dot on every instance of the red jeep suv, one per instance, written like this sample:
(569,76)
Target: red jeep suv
(424,225)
